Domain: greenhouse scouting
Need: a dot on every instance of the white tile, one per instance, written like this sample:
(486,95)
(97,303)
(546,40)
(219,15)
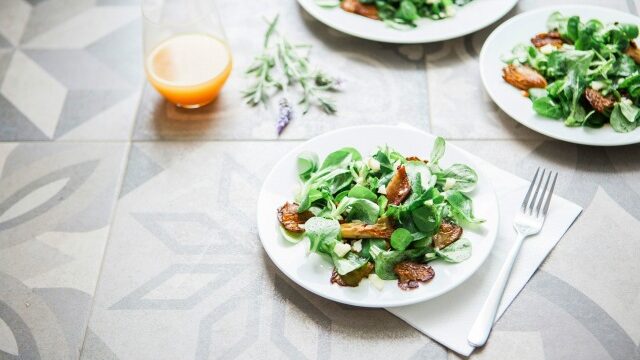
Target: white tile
(606,238)
(13,18)
(34,92)
(85,28)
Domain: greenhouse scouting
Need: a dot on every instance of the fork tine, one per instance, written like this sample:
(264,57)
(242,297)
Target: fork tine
(526,197)
(546,205)
(535,194)
(544,191)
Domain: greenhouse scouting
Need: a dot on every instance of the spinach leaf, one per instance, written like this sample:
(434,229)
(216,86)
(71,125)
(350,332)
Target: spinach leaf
(387,260)
(323,234)
(361,192)
(619,122)
(341,158)
(368,244)
(348,263)
(457,252)
(307,164)
(546,107)
(357,209)
(438,150)
(461,207)
(462,176)
(629,111)
(400,239)
(426,219)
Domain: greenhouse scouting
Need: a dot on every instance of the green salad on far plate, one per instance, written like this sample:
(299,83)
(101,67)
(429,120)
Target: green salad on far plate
(385,217)
(583,72)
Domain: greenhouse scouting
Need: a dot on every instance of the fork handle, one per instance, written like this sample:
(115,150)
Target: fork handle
(484,322)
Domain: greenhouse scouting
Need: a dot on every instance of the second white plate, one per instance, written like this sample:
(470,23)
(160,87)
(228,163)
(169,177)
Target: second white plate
(520,29)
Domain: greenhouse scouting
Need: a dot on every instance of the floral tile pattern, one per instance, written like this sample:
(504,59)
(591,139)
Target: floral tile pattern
(127,226)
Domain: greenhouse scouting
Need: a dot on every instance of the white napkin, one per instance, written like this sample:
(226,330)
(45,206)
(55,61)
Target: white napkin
(448,318)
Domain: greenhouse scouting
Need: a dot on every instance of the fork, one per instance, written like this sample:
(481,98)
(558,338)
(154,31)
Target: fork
(528,221)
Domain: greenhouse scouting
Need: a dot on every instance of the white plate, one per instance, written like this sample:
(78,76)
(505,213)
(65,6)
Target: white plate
(520,29)
(312,272)
(469,18)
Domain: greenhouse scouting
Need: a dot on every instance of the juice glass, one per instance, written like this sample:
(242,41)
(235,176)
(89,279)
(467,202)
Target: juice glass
(186,56)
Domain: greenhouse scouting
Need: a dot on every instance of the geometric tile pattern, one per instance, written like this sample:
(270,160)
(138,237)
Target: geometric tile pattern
(57,68)
(127,226)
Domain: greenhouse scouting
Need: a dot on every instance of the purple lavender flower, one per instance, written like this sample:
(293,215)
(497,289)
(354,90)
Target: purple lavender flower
(285,115)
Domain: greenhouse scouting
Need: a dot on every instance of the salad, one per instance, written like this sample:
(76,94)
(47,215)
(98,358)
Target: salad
(398,12)
(586,73)
(385,217)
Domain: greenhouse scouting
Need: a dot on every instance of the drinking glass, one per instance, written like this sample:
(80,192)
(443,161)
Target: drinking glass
(186,55)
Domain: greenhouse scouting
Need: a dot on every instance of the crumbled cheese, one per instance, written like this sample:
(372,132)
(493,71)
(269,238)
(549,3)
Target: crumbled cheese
(626,101)
(341,249)
(376,281)
(382,190)
(547,49)
(450,183)
(374,164)
(429,202)
(357,246)
(450,10)
(597,85)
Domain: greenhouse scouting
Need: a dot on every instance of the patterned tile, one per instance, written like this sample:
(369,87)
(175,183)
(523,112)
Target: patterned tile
(68,70)
(198,278)
(55,211)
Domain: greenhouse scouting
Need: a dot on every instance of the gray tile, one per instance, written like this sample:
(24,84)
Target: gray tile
(16,126)
(192,222)
(82,105)
(55,210)
(78,70)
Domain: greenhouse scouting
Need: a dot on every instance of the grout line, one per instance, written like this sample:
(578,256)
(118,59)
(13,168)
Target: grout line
(114,209)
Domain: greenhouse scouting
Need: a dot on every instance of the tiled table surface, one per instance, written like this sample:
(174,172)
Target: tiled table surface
(127,232)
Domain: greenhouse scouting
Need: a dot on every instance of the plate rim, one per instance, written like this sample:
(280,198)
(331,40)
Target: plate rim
(311,10)
(492,233)
(482,63)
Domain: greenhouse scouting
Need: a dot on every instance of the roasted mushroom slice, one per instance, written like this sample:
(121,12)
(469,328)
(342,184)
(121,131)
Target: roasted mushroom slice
(356,230)
(290,218)
(633,51)
(447,234)
(399,187)
(523,77)
(551,38)
(356,7)
(353,278)
(599,102)
(415,158)
(410,274)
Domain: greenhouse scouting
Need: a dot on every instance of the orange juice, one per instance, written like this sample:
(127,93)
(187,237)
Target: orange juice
(189,70)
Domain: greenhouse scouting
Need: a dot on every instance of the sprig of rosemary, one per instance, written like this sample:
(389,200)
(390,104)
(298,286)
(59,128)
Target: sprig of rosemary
(292,62)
